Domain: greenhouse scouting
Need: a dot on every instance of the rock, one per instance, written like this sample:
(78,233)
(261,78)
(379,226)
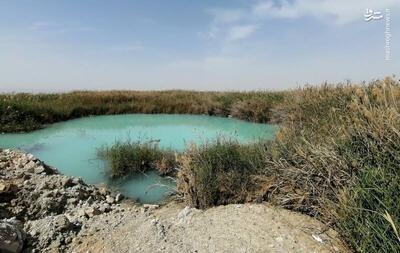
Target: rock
(7,187)
(89,201)
(39,170)
(54,207)
(81,213)
(184,213)
(105,208)
(66,182)
(3,187)
(77,180)
(11,236)
(109,199)
(30,166)
(62,222)
(150,206)
(92,211)
(119,197)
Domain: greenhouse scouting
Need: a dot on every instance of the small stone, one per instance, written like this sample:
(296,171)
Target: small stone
(3,187)
(39,170)
(89,201)
(62,222)
(77,180)
(33,233)
(150,206)
(7,187)
(92,211)
(119,197)
(105,208)
(30,157)
(109,199)
(68,240)
(30,166)
(66,182)
(184,213)
(81,212)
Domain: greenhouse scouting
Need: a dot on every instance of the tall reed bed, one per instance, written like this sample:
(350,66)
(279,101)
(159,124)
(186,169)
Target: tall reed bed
(336,157)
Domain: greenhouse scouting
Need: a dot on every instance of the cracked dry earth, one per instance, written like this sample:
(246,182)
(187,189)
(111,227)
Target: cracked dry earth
(231,228)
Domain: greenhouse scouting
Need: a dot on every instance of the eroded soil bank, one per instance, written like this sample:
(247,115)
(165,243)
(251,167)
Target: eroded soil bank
(43,211)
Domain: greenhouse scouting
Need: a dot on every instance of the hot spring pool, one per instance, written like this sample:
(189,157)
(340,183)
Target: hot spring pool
(71,146)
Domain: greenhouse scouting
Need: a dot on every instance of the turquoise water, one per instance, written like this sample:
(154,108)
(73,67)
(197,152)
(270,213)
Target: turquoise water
(71,146)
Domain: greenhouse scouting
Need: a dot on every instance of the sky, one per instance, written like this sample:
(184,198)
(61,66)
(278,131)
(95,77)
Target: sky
(52,46)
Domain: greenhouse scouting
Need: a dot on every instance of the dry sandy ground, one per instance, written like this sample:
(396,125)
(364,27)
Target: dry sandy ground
(232,228)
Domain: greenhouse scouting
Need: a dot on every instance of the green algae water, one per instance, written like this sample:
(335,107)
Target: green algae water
(72,146)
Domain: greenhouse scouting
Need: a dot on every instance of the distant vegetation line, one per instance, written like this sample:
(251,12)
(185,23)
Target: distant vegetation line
(26,112)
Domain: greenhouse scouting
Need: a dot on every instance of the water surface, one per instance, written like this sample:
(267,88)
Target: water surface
(71,146)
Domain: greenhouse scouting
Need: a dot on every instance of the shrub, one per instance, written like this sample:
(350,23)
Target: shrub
(338,158)
(368,213)
(125,158)
(219,172)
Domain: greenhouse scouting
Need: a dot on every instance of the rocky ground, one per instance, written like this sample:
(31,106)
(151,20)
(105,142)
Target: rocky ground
(43,211)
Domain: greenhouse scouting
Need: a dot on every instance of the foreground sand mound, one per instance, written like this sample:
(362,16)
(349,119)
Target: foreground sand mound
(232,228)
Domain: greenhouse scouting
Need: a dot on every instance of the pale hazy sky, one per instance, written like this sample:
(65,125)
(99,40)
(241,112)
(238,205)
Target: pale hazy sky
(48,45)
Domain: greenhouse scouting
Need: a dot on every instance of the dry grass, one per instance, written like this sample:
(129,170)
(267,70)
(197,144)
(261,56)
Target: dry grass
(336,157)
(218,172)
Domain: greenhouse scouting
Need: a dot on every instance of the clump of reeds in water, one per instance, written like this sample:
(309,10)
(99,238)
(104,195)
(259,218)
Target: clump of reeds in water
(125,158)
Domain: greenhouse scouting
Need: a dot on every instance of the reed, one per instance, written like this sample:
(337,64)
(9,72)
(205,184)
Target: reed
(336,157)
(130,157)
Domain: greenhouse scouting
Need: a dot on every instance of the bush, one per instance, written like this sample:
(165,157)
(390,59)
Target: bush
(368,213)
(126,158)
(219,172)
(338,158)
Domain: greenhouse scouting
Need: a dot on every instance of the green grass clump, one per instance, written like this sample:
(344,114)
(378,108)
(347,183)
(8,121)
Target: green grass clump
(127,158)
(219,172)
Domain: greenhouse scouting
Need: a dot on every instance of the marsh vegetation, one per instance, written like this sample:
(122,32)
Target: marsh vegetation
(336,156)
(26,112)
